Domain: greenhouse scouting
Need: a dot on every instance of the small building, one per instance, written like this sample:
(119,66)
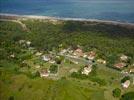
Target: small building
(101,61)
(126,84)
(12,56)
(44,73)
(91,55)
(120,65)
(123,58)
(132,70)
(46,58)
(87,69)
(28,43)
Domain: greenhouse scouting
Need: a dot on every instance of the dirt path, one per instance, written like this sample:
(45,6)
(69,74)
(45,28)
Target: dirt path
(19,22)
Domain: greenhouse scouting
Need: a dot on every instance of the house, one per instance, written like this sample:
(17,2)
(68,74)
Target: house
(28,43)
(120,65)
(101,61)
(123,58)
(25,43)
(87,69)
(91,55)
(12,56)
(126,84)
(44,73)
(46,58)
(78,52)
(131,70)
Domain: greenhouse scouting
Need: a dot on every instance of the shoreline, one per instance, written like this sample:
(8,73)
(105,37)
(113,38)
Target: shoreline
(38,17)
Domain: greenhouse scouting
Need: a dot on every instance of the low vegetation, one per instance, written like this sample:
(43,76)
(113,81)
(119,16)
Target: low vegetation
(20,67)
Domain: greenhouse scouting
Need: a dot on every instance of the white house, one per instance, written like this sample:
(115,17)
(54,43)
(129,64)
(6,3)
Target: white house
(87,70)
(12,55)
(131,70)
(101,61)
(46,58)
(126,84)
(124,58)
(28,43)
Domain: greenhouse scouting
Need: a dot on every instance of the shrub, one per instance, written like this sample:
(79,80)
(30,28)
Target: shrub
(58,60)
(125,78)
(117,92)
(128,96)
(53,68)
(11,98)
(78,75)
(33,75)
(100,81)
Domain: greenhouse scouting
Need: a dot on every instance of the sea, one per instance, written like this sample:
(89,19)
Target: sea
(113,10)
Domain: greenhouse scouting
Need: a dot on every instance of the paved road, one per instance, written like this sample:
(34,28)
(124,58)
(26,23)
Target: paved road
(76,59)
(84,61)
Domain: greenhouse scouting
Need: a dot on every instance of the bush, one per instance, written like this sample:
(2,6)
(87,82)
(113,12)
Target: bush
(128,96)
(11,98)
(117,92)
(78,75)
(33,75)
(100,81)
(125,78)
(53,68)
(58,60)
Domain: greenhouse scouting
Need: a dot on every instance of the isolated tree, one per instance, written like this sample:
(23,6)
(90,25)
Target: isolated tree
(117,92)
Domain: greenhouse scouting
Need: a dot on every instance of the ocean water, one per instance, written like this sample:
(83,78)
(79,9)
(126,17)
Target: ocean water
(117,10)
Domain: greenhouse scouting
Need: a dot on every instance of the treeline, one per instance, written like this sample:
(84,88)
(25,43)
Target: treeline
(106,39)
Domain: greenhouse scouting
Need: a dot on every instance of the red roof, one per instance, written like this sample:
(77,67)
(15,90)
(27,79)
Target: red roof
(120,65)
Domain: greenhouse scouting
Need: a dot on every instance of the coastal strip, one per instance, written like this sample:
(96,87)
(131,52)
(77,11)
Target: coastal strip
(16,17)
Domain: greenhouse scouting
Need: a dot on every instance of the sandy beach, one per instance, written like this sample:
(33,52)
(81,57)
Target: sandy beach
(15,17)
